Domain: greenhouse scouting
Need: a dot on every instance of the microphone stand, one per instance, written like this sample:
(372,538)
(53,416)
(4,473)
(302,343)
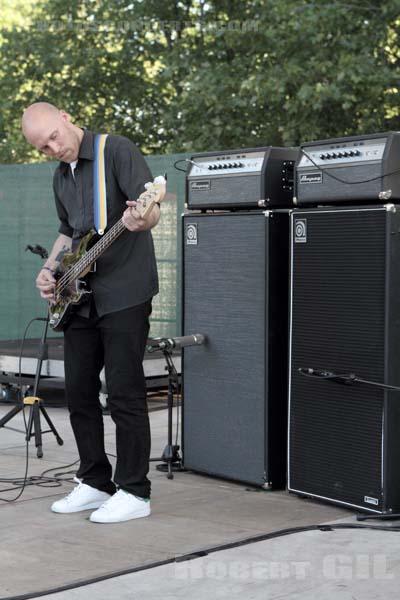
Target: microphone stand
(34,402)
(351,379)
(171,459)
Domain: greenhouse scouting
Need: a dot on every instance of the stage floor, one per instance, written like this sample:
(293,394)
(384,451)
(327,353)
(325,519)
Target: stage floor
(42,551)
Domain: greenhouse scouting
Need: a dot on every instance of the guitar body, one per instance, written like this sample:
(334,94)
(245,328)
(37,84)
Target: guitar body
(76,291)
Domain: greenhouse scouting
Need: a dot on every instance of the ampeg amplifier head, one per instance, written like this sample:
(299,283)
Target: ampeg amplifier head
(251,178)
(351,169)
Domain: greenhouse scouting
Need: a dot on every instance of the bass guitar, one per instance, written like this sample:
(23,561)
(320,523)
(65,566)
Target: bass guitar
(71,288)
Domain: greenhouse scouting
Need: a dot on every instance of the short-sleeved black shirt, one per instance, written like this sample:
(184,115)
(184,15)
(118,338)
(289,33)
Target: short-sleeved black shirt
(126,274)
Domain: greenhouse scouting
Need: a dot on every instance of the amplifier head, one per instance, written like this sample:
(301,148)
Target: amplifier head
(350,169)
(249,178)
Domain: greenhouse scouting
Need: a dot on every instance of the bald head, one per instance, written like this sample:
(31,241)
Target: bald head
(37,112)
(50,130)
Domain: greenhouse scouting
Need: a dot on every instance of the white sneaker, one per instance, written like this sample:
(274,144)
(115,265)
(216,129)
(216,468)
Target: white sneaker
(82,497)
(122,506)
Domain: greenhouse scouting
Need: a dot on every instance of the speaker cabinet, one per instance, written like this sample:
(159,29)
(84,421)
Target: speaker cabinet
(235,288)
(344,442)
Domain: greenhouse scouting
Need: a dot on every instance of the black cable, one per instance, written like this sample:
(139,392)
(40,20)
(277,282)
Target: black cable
(376,384)
(201,553)
(178,399)
(43,474)
(20,392)
(343,378)
(178,168)
(43,481)
(326,170)
(178,412)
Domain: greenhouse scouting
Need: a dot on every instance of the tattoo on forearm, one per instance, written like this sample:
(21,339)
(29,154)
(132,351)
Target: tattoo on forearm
(63,251)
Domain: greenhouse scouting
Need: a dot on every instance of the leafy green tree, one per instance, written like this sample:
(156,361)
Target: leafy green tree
(183,75)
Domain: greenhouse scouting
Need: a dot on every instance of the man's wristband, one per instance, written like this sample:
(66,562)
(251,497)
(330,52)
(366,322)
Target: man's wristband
(48,269)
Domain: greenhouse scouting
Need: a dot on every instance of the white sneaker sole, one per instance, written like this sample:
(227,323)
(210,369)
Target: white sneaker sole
(66,511)
(138,515)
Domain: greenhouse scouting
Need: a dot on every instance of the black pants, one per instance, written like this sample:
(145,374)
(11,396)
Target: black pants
(118,342)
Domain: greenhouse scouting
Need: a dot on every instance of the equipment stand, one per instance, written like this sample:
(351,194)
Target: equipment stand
(170,457)
(35,403)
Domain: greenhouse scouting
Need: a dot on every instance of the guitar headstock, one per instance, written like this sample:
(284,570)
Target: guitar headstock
(155,192)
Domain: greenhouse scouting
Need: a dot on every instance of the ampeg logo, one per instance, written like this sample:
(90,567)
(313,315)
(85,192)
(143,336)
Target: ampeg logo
(191,233)
(300,231)
(311,178)
(200,186)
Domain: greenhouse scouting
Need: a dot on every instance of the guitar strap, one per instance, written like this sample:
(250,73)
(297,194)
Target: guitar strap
(99,185)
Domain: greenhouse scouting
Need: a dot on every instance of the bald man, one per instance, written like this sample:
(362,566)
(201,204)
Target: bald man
(111,328)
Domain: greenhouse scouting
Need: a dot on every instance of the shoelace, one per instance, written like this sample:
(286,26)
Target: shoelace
(110,501)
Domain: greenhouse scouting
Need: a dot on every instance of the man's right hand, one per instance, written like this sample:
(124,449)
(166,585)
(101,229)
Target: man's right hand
(45,283)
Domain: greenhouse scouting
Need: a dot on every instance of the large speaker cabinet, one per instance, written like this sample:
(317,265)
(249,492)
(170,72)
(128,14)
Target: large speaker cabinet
(344,440)
(235,288)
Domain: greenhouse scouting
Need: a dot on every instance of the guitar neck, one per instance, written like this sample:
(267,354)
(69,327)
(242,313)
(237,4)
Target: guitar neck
(99,247)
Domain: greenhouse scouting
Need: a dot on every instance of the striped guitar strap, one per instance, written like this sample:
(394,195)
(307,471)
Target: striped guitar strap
(99,185)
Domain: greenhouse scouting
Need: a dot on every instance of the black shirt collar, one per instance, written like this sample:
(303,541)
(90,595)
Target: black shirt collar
(86,149)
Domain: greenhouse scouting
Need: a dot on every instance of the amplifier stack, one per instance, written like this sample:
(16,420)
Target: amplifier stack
(291,268)
(235,291)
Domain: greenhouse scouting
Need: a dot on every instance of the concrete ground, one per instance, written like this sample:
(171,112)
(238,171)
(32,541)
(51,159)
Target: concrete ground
(42,552)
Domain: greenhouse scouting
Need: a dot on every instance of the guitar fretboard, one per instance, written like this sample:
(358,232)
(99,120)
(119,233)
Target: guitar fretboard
(90,256)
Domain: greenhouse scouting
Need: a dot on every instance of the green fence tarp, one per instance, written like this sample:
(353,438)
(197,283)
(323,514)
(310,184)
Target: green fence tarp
(28,216)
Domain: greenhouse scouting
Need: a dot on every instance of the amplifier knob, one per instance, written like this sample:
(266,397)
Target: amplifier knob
(322,156)
(345,154)
(327,155)
(340,155)
(225,166)
(357,153)
(333,155)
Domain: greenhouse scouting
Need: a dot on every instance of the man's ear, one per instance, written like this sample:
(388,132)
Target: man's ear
(65,116)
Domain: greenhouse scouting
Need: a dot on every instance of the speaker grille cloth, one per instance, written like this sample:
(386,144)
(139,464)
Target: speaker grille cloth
(224,381)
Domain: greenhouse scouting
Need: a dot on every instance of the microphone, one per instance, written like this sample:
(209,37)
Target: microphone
(346,379)
(314,372)
(36,249)
(177,342)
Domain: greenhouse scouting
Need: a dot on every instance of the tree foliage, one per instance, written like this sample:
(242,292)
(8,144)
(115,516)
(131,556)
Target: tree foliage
(184,75)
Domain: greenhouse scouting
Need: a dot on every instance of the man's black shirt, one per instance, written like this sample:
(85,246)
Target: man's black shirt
(126,274)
